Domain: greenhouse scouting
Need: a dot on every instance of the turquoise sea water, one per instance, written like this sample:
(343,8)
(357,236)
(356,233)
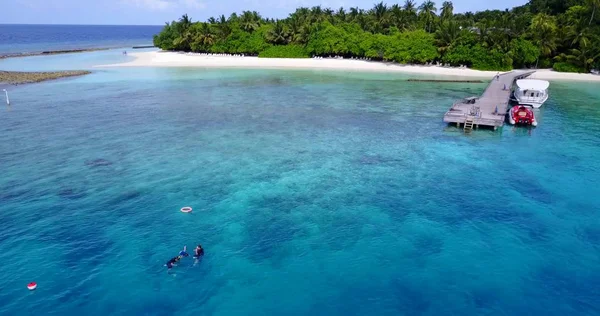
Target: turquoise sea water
(314,193)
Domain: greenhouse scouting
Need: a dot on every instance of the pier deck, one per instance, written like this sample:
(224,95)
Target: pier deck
(482,111)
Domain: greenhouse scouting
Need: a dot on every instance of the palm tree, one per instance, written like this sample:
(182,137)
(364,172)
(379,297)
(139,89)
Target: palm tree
(256,16)
(185,21)
(447,10)
(212,20)
(579,35)
(316,14)
(543,28)
(183,41)
(303,14)
(353,13)
(594,4)
(583,57)
(399,18)
(446,35)
(410,6)
(484,28)
(427,10)
(184,24)
(362,20)
(410,11)
(381,15)
(469,17)
(341,14)
(223,25)
(278,35)
(328,13)
(304,35)
(295,28)
(248,22)
(520,24)
(206,36)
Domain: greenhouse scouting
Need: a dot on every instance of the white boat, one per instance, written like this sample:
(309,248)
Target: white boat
(531,92)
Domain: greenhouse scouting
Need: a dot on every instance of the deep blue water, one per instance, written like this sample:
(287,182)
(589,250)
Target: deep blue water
(314,193)
(20,38)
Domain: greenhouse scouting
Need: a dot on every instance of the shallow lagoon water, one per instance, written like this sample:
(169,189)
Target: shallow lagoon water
(314,192)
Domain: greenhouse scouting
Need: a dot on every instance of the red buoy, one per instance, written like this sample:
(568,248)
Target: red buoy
(32,286)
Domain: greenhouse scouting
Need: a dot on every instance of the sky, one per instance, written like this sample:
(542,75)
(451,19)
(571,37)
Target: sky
(156,12)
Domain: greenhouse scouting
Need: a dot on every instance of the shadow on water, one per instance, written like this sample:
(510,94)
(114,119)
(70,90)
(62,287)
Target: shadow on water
(267,231)
(411,300)
(530,188)
(484,298)
(81,244)
(428,244)
(575,292)
(72,193)
(100,162)
(394,296)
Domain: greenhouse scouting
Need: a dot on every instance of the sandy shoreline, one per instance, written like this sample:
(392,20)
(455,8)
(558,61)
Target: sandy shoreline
(172,59)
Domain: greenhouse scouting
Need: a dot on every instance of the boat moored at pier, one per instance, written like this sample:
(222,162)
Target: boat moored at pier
(522,115)
(531,92)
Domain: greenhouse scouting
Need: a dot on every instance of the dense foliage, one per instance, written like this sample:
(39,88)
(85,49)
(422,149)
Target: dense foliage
(543,33)
(284,51)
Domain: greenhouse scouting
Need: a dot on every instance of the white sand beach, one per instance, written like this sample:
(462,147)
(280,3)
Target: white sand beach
(173,59)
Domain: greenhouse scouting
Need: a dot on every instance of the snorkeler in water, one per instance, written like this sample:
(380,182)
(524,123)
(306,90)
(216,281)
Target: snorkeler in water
(184,252)
(198,252)
(174,260)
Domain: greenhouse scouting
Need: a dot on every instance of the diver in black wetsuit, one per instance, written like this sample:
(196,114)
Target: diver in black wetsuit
(174,260)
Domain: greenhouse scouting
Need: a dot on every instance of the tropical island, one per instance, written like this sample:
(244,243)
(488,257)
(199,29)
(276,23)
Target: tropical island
(562,35)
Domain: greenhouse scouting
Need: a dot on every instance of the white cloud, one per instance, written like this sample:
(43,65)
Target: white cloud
(149,4)
(161,5)
(194,4)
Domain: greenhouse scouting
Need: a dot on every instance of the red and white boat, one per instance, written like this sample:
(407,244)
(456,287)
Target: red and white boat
(521,115)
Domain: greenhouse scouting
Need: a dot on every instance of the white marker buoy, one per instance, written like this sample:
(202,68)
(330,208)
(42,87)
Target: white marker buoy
(6,93)
(32,286)
(186,209)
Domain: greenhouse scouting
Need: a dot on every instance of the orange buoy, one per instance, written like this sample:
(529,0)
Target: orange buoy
(186,209)
(32,286)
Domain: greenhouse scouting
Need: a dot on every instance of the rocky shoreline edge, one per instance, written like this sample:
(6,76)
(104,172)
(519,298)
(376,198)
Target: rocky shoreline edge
(19,77)
(52,52)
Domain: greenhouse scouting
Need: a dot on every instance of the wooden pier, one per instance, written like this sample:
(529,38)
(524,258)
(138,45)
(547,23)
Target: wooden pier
(490,108)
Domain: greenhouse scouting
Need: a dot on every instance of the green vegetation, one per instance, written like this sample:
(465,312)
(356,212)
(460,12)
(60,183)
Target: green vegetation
(284,51)
(566,67)
(561,34)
